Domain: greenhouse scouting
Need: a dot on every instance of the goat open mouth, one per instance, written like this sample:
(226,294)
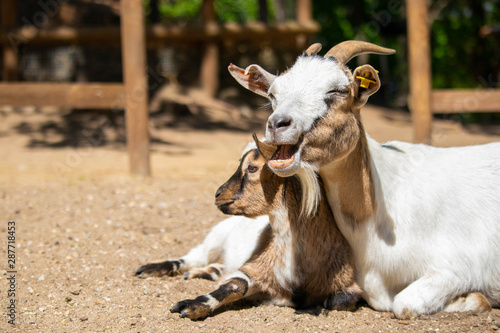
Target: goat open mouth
(284,156)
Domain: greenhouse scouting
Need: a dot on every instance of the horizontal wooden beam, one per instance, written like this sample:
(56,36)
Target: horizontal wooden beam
(29,35)
(465,100)
(71,95)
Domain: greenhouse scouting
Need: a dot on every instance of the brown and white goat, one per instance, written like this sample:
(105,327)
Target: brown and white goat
(299,261)
(423,222)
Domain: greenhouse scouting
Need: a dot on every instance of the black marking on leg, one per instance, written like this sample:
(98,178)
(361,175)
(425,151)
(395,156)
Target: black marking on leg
(235,286)
(214,270)
(202,299)
(211,272)
(299,297)
(205,275)
(342,301)
(169,267)
(176,264)
(179,306)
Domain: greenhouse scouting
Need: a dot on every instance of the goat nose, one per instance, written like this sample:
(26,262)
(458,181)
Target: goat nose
(279,123)
(218,193)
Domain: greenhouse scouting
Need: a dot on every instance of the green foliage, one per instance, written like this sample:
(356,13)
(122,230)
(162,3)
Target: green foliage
(180,10)
(461,57)
(236,11)
(226,10)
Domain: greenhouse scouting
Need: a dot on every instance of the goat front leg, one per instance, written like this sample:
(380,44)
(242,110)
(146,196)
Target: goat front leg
(434,293)
(233,289)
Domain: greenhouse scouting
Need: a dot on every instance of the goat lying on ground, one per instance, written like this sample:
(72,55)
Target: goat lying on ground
(423,222)
(225,249)
(299,261)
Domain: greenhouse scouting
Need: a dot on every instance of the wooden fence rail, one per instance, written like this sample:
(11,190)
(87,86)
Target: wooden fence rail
(70,95)
(156,34)
(465,100)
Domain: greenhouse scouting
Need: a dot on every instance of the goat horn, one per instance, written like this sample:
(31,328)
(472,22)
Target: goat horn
(267,151)
(313,49)
(345,51)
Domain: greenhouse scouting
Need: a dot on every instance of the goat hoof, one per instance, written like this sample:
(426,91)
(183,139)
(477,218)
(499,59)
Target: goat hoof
(342,301)
(192,309)
(169,268)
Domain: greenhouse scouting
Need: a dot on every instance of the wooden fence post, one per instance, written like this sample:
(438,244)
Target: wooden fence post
(209,70)
(10,64)
(304,11)
(304,16)
(134,76)
(420,69)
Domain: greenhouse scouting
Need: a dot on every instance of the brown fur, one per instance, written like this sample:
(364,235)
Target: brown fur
(321,268)
(322,256)
(338,142)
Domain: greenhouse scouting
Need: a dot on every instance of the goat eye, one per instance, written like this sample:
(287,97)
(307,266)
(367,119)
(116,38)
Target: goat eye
(339,92)
(335,95)
(252,168)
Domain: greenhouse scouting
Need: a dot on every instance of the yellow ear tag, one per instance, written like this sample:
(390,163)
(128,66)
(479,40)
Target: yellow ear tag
(365,82)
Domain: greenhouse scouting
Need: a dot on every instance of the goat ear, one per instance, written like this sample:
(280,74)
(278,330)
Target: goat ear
(366,83)
(267,151)
(254,78)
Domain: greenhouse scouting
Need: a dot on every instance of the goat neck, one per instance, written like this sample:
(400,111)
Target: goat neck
(345,166)
(350,180)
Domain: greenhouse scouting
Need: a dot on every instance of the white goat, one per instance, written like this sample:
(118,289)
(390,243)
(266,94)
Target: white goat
(423,222)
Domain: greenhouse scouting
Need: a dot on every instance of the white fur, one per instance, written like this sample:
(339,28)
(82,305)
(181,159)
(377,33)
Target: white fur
(300,92)
(436,231)
(311,192)
(284,271)
(231,241)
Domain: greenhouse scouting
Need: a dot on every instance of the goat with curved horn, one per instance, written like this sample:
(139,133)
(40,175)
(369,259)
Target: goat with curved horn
(422,221)
(345,51)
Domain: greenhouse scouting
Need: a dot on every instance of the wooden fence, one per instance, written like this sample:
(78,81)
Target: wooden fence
(132,93)
(424,101)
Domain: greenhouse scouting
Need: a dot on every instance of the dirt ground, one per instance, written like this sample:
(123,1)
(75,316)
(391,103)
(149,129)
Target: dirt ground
(83,225)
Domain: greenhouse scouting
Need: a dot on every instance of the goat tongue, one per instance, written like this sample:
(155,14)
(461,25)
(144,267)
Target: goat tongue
(283,157)
(283,152)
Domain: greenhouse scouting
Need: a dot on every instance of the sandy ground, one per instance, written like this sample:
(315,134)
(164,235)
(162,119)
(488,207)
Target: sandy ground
(83,225)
